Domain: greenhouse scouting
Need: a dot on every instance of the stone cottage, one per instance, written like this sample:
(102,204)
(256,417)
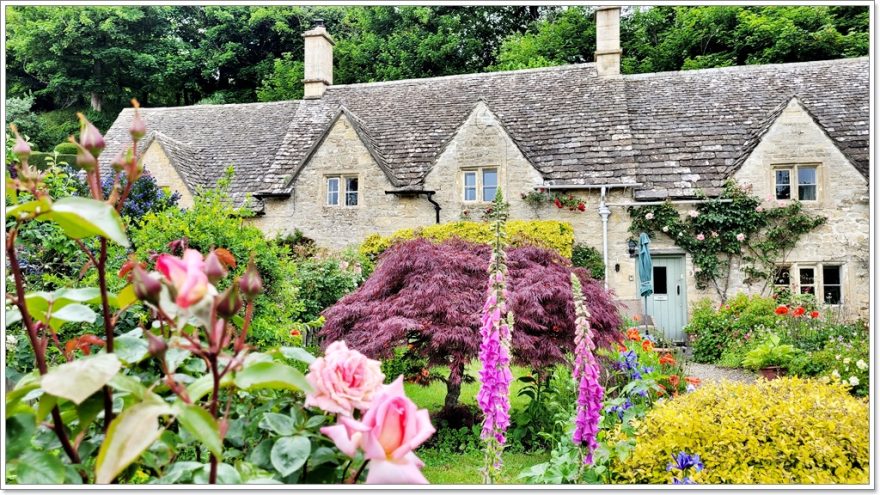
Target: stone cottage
(350,160)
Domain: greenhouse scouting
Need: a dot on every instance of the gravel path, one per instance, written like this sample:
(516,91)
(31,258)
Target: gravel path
(712,373)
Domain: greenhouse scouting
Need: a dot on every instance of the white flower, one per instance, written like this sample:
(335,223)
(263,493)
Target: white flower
(11,341)
(665,229)
(690,387)
(740,237)
(853,380)
(837,357)
(861,364)
(649,216)
(846,360)
(835,375)
(693,213)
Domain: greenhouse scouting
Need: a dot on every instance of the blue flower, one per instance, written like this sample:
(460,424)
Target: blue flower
(683,481)
(685,461)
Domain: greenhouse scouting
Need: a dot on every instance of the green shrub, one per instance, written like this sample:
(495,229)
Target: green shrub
(770,352)
(66,148)
(783,431)
(212,222)
(551,234)
(324,280)
(590,258)
(717,329)
(408,364)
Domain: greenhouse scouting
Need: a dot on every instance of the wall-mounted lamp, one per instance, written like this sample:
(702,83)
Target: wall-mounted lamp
(631,247)
(617,267)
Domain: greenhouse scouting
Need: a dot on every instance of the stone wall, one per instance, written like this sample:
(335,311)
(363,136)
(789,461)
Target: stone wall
(157,163)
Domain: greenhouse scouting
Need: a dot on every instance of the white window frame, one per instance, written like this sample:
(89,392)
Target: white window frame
(839,283)
(794,183)
(818,284)
(777,287)
(356,192)
(814,285)
(479,187)
(342,191)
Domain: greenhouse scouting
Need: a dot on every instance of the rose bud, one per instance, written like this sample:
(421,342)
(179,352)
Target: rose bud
(156,346)
(84,158)
(214,268)
(229,303)
(146,288)
(122,160)
(138,128)
(89,136)
(251,284)
(21,149)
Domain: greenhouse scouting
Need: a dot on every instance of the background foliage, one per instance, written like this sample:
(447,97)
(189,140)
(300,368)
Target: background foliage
(182,55)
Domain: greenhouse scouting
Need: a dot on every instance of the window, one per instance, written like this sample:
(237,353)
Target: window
(470,186)
(782,280)
(831,284)
(351,191)
(660,280)
(490,183)
(336,194)
(783,184)
(480,184)
(808,280)
(333,191)
(807,183)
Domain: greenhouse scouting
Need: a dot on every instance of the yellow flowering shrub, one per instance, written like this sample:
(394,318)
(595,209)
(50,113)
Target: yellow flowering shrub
(551,234)
(784,431)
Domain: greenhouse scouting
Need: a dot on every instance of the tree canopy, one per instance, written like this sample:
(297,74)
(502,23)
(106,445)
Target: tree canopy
(182,55)
(429,296)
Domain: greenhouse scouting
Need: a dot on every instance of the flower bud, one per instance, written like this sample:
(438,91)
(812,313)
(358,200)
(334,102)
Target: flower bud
(122,161)
(251,284)
(84,158)
(229,303)
(146,288)
(21,149)
(138,127)
(214,268)
(156,346)
(89,136)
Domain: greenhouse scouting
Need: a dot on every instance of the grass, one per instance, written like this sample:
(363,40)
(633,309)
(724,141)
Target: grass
(431,397)
(464,469)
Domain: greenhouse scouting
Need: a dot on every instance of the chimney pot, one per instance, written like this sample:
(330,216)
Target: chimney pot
(608,40)
(318,60)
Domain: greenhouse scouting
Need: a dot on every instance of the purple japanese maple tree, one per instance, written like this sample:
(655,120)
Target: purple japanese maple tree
(430,296)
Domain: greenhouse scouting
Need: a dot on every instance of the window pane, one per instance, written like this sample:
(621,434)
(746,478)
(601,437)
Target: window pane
(333,191)
(490,183)
(783,276)
(807,193)
(660,280)
(470,186)
(351,191)
(807,175)
(831,275)
(783,187)
(807,276)
(832,295)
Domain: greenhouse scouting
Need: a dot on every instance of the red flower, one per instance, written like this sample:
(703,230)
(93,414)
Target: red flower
(633,334)
(814,314)
(647,345)
(674,380)
(557,203)
(582,206)
(295,333)
(667,359)
(782,310)
(692,380)
(799,312)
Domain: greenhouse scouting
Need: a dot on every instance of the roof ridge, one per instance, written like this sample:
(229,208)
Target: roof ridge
(189,107)
(554,68)
(745,67)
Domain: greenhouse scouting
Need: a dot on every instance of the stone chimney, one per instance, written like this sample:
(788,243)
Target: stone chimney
(318,60)
(608,40)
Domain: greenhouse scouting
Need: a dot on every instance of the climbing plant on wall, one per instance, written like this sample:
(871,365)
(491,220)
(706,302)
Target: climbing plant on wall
(734,228)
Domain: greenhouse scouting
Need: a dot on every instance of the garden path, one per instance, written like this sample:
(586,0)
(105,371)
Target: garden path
(712,373)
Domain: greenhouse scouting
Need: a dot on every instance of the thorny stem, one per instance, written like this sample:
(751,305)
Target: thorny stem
(39,349)
(214,400)
(108,326)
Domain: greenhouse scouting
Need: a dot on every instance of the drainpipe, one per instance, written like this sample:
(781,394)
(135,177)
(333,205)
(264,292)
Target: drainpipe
(604,212)
(437,208)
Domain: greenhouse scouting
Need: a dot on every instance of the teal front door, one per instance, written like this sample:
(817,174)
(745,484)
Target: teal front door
(668,305)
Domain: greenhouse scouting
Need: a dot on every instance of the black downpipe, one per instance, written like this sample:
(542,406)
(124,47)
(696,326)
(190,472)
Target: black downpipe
(437,208)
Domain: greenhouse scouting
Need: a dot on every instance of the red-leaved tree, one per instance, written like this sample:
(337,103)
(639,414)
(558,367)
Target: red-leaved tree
(430,295)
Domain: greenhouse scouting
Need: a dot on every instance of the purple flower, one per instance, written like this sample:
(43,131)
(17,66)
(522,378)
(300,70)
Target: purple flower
(683,481)
(685,461)
(586,372)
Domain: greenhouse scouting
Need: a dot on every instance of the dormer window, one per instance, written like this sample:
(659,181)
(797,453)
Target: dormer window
(797,182)
(480,184)
(342,191)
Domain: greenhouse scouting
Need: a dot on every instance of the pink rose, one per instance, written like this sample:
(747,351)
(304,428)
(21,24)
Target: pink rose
(187,275)
(759,208)
(388,433)
(700,237)
(740,237)
(344,379)
(693,213)
(649,216)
